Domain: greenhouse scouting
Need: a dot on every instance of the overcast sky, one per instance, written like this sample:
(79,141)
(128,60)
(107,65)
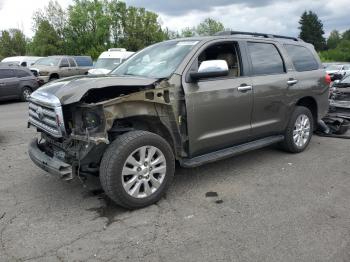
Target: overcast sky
(270,16)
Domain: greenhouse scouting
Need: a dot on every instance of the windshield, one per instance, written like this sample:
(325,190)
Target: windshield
(346,80)
(48,61)
(156,61)
(333,67)
(107,63)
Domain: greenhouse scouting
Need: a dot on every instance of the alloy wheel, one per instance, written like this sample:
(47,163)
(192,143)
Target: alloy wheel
(301,132)
(144,171)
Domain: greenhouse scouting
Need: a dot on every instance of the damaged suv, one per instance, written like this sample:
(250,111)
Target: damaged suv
(191,100)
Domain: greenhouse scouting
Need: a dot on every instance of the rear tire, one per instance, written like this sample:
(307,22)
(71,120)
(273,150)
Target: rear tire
(299,130)
(136,169)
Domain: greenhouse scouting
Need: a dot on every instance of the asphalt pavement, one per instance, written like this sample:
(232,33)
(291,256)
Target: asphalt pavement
(265,205)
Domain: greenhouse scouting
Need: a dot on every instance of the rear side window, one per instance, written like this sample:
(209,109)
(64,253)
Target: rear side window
(302,58)
(22,73)
(71,62)
(64,62)
(266,60)
(6,73)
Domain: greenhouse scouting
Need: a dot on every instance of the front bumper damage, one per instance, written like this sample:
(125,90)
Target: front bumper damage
(68,158)
(53,165)
(337,121)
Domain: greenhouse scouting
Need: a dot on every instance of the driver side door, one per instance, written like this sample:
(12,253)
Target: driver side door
(218,109)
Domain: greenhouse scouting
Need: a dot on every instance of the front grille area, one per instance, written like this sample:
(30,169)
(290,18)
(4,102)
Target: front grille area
(44,118)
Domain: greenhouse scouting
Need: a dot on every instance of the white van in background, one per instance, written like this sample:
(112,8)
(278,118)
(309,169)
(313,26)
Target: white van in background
(110,59)
(25,61)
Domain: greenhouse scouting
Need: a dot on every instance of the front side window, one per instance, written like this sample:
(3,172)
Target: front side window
(266,60)
(302,58)
(223,51)
(48,61)
(157,61)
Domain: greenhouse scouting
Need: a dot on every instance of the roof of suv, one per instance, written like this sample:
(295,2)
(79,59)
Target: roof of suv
(248,35)
(10,65)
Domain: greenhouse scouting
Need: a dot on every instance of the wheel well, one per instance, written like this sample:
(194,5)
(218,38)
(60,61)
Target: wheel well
(54,75)
(146,123)
(311,104)
(27,87)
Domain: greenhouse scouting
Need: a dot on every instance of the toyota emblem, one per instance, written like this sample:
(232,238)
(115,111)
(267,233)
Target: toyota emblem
(40,113)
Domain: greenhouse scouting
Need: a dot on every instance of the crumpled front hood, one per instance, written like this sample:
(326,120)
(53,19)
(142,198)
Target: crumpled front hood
(99,71)
(71,89)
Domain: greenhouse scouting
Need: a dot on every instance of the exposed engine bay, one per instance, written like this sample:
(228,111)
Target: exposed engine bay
(337,122)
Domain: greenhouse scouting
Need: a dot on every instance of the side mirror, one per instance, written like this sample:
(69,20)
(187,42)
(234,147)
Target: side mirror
(210,68)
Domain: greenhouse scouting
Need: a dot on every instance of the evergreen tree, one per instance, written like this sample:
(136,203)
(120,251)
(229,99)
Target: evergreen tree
(12,43)
(346,35)
(45,41)
(333,39)
(311,30)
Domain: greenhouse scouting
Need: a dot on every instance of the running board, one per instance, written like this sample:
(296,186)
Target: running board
(229,152)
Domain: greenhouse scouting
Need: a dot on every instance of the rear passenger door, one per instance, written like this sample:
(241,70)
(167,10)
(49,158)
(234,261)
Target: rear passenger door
(309,74)
(8,83)
(270,81)
(65,69)
(73,70)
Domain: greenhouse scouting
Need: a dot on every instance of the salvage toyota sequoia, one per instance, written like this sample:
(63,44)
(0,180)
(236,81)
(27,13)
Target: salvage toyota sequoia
(190,100)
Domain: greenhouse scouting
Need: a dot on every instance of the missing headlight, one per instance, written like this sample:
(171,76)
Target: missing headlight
(91,120)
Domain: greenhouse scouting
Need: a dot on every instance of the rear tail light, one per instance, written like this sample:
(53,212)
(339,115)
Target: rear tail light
(328,79)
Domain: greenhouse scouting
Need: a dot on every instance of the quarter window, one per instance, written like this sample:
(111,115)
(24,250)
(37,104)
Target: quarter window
(266,60)
(21,73)
(302,58)
(6,73)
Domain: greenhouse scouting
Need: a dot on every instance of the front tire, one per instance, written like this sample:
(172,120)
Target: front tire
(26,92)
(299,130)
(53,78)
(137,168)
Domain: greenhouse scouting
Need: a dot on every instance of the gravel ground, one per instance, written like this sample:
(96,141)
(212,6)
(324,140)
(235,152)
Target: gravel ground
(265,205)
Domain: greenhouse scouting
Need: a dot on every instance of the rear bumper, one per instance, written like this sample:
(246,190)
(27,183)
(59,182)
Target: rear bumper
(51,165)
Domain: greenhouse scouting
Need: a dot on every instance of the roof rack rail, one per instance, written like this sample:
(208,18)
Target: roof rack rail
(8,64)
(257,34)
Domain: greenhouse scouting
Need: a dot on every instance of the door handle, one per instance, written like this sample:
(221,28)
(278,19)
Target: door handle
(244,88)
(291,82)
